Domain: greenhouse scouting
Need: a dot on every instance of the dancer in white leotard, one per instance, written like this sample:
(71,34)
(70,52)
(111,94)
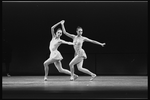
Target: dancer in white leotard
(55,55)
(80,54)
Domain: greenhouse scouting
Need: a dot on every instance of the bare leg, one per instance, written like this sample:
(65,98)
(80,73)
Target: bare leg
(60,69)
(80,68)
(46,68)
(74,61)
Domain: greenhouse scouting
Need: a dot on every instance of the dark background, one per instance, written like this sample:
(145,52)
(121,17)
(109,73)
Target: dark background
(123,26)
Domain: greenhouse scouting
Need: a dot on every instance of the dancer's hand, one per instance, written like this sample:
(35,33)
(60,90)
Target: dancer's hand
(103,44)
(62,22)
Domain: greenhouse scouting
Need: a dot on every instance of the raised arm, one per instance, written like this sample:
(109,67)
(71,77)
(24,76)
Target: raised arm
(65,42)
(64,30)
(52,29)
(93,41)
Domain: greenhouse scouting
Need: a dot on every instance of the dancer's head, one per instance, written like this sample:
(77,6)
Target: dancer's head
(58,33)
(79,31)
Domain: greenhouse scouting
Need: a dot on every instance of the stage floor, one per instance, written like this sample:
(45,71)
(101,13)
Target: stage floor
(60,87)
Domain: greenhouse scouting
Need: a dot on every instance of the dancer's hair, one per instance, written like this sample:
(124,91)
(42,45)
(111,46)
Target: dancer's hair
(78,28)
(59,29)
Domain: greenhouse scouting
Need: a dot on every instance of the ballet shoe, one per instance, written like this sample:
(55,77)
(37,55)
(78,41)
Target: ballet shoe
(93,77)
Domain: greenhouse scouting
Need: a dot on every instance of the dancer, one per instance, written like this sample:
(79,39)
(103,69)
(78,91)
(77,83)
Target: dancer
(80,54)
(55,56)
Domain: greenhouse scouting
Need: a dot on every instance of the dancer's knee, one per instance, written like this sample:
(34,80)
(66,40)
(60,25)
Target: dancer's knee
(71,64)
(80,69)
(45,63)
(60,70)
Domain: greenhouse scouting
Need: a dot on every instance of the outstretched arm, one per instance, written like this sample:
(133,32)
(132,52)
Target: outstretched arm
(52,28)
(65,42)
(93,41)
(64,30)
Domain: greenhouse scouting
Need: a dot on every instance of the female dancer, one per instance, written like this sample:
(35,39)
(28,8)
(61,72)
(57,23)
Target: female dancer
(55,56)
(80,54)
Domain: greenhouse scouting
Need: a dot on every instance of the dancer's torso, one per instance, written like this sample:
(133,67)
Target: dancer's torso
(54,44)
(78,42)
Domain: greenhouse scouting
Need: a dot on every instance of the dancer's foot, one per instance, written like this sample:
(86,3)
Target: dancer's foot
(45,78)
(71,78)
(75,77)
(93,76)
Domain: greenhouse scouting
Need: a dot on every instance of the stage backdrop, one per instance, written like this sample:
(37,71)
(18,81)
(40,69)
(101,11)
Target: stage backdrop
(123,26)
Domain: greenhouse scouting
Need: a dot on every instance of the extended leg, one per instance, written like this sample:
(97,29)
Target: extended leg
(60,69)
